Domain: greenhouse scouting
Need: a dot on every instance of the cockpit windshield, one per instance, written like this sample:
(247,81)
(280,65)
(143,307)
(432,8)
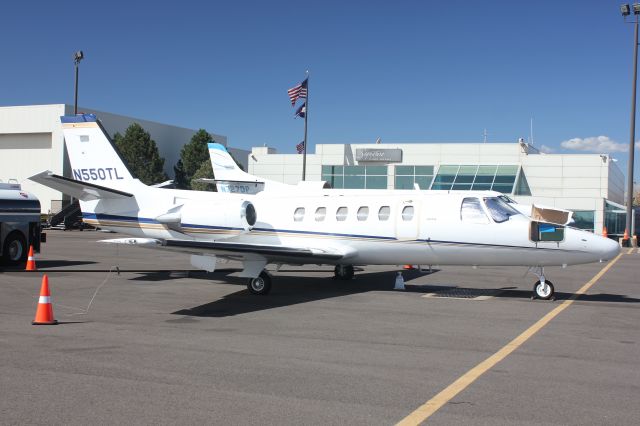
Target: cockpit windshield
(507,199)
(499,210)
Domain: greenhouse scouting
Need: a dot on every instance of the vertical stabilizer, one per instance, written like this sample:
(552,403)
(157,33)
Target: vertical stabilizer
(224,166)
(92,155)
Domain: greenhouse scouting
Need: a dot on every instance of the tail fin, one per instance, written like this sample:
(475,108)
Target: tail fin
(224,166)
(92,154)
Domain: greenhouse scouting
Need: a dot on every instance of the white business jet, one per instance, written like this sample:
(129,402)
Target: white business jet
(230,178)
(423,228)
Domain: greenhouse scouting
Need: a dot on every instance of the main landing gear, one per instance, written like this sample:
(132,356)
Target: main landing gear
(343,272)
(260,285)
(542,289)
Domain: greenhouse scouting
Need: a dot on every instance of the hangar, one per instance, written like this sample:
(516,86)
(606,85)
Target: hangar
(31,141)
(591,185)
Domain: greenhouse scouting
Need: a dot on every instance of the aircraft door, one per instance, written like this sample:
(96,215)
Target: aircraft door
(407,220)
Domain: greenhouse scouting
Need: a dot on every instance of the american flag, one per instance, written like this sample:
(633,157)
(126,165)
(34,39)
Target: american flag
(301,111)
(300,147)
(298,92)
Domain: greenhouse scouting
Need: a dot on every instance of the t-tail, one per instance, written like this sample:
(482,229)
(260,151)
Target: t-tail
(224,166)
(92,154)
(231,178)
(97,171)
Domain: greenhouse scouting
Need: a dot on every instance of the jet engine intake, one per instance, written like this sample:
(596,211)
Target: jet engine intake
(226,217)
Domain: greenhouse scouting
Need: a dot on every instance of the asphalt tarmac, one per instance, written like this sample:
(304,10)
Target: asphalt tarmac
(161,343)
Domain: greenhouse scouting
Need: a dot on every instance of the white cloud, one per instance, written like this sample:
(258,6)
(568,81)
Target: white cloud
(546,149)
(594,144)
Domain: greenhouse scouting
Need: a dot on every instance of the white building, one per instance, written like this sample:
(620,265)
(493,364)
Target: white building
(31,141)
(589,184)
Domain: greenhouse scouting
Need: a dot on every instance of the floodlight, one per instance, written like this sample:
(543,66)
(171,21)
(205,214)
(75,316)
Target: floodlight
(625,10)
(636,8)
(78,56)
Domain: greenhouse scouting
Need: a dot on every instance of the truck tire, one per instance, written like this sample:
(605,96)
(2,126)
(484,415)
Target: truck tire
(15,248)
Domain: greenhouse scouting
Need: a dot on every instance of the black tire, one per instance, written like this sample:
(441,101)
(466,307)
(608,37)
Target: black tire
(344,272)
(545,293)
(261,285)
(15,248)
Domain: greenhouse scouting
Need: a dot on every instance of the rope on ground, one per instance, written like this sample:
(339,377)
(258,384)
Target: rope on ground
(95,293)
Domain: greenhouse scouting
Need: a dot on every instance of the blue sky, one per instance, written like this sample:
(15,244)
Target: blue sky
(404,71)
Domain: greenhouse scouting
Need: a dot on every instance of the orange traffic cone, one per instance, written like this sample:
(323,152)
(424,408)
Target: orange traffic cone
(408,267)
(31,262)
(604,232)
(44,313)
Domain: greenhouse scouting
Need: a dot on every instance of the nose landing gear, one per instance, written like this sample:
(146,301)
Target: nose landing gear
(542,289)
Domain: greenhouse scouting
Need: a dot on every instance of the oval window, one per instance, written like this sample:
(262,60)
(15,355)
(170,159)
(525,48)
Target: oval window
(341,214)
(298,215)
(363,213)
(321,212)
(384,213)
(407,213)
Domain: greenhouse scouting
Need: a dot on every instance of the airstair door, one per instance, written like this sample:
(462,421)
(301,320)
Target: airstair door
(408,220)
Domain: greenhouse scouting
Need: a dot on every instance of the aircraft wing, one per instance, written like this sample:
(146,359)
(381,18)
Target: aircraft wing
(81,190)
(234,250)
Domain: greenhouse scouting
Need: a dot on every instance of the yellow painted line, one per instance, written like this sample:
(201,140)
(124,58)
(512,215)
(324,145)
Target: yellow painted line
(630,250)
(425,411)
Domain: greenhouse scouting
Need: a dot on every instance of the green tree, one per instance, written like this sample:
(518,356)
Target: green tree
(140,154)
(192,156)
(205,171)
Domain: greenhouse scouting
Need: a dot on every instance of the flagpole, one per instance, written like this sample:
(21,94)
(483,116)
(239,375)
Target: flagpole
(306,115)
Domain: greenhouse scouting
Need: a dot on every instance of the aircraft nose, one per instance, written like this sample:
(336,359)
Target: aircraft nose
(608,248)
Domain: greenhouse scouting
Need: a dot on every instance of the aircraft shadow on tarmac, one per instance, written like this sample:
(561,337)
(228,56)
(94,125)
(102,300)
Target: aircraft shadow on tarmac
(288,290)
(46,264)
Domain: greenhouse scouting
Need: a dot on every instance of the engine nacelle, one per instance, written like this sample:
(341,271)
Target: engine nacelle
(228,217)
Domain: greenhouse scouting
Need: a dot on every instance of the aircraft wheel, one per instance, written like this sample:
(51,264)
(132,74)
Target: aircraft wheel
(344,272)
(543,291)
(260,285)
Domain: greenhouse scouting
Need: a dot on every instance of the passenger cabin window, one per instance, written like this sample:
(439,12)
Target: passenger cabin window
(384,213)
(407,213)
(471,211)
(298,215)
(321,212)
(363,213)
(341,214)
(499,210)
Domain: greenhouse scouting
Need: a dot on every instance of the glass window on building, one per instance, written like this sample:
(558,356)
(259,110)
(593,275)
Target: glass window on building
(584,219)
(408,176)
(445,177)
(478,178)
(615,218)
(522,187)
(355,177)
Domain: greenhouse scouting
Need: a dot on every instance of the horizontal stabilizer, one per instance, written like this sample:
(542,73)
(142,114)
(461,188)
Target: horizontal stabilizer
(81,190)
(207,180)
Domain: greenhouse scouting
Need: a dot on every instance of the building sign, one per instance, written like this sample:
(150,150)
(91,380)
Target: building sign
(373,154)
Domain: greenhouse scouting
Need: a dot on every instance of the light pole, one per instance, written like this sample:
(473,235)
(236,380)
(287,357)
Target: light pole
(77,57)
(626,11)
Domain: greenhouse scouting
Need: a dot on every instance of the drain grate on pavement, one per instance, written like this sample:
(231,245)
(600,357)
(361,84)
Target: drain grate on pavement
(465,293)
